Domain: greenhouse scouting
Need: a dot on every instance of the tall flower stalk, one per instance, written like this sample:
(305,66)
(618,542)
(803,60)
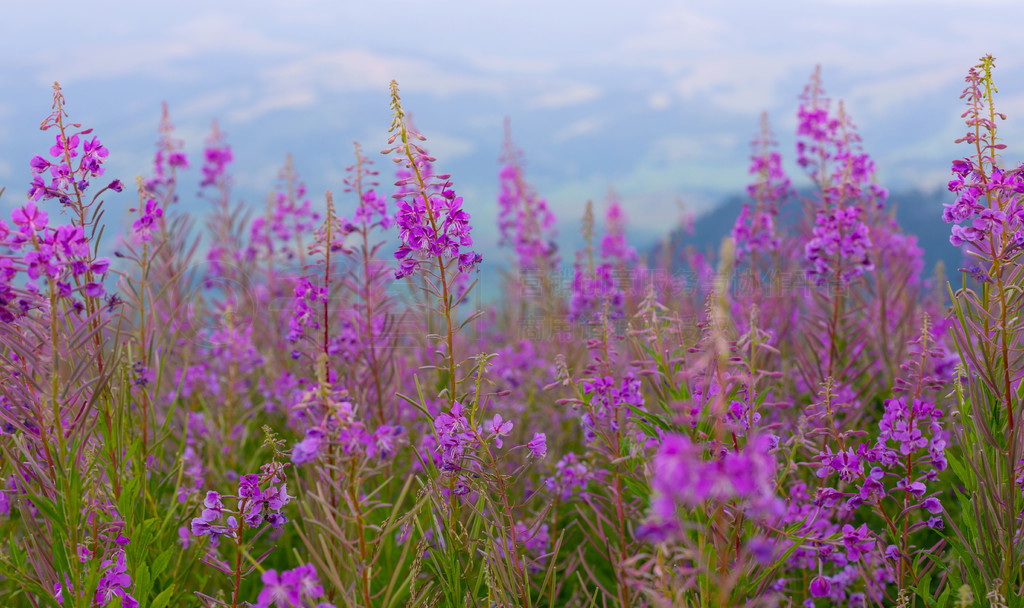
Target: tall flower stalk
(987,331)
(433,228)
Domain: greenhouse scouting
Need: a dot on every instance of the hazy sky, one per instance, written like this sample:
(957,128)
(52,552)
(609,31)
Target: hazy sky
(658,99)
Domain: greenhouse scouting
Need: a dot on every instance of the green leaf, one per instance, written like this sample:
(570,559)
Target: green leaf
(160,563)
(142,580)
(17,556)
(637,487)
(163,599)
(49,510)
(924,586)
(129,494)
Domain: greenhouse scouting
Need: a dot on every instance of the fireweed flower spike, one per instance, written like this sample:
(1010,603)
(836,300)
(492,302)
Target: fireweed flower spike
(431,222)
(168,159)
(114,583)
(148,216)
(986,326)
(433,228)
(57,261)
(258,505)
(524,221)
(68,177)
(754,232)
(216,158)
(838,250)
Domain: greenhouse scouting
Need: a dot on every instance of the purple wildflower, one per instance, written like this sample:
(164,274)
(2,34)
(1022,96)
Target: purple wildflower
(297,587)
(149,216)
(114,583)
(820,586)
(309,448)
(499,428)
(857,541)
(839,247)
(453,434)
(216,158)
(571,476)
(683,477)
(754,230)
(430,218)
(538,445)
(524,220)
(277,592)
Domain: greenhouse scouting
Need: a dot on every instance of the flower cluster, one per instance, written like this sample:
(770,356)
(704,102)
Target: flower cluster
(304,315)
(614,247)
(606,398)
(192,465)
(352,437)
(454,434)
(846,464)
(290,217)
(682,477)
(149,216)
(816,128)
(979,201)
(596,296)
(425,234)
(839,248)
(913,427)
(987,195)
(572,476)
(371,212)
(61,255)
(920,452)
(216,157)
(520,369)
(113,583)
(296,588)
(255,505)
(169,157)
(69,179)
(828,148)
(430,218)
(372,208)
(754,230)
(525,222)
(533,540)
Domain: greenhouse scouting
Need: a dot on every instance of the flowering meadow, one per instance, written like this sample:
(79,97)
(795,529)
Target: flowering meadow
(302,404)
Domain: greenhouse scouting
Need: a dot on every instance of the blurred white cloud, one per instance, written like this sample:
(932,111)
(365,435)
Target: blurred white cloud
(588,125)
(268,102)
(565,94)
(659,101)
(679,86)
(449,147)
(158,53)
(362,69)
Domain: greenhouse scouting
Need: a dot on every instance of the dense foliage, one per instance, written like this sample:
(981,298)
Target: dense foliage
(274,408)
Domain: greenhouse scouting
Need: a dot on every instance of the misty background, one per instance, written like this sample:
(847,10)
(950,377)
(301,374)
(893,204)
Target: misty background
(658,100)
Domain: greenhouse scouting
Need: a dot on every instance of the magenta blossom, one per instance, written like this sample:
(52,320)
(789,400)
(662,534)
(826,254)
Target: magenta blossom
(499,428)
(538,446)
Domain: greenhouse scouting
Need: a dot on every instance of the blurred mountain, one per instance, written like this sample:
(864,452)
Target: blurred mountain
(918,212)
